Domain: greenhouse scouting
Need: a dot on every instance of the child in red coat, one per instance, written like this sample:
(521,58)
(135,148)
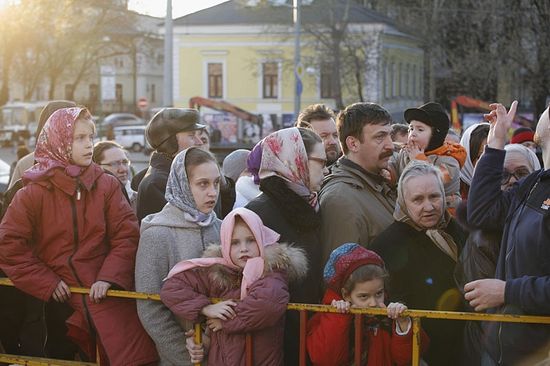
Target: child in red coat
(356,278)
(70,225)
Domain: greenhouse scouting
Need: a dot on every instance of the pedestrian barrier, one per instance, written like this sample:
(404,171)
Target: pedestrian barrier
(303,309)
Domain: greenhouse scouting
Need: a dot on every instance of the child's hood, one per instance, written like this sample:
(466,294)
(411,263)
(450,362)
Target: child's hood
(277,257)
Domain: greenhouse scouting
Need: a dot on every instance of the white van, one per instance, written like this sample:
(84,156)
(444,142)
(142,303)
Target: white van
(131,137)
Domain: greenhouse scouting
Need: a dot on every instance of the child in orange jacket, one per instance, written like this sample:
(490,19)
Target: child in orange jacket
(356,278)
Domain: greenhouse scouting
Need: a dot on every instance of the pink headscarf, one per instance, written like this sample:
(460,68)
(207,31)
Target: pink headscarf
(254,267)
(54,145)
(284,155)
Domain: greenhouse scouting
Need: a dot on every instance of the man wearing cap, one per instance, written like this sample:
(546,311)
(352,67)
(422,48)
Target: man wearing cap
(356,202)
(170,131)
(524,136)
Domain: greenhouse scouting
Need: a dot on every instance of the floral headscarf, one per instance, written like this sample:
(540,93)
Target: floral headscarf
(178,192)
(254,267)
(54,145)
(284,155)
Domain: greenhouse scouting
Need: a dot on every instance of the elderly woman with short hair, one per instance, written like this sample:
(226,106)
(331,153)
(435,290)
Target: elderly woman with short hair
(420,250)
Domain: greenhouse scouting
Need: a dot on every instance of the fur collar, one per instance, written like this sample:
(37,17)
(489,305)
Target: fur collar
(278,257)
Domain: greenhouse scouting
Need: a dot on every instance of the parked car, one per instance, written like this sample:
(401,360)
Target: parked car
(4,175)
(131,137)
(122,119)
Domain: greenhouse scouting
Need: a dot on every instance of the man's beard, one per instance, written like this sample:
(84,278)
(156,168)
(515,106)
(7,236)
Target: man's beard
(332,156)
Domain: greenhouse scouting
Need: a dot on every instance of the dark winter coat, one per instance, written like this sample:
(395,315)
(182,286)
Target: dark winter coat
(330,340)
(477,260)
(260,313)
(152,187)
(421,277)
(79,231)
(291,216)
(524,215)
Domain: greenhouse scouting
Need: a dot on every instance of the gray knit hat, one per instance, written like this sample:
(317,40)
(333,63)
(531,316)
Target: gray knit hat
(235,163)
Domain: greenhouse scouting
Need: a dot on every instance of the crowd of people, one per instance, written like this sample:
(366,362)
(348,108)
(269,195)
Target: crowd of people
(350,211)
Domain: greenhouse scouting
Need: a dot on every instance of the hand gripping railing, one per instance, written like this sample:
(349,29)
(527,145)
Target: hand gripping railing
(303,309)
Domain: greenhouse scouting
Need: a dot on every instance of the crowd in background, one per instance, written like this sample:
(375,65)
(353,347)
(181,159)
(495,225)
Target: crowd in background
(346,210)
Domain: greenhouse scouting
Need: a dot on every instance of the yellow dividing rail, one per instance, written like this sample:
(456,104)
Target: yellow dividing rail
(416,315)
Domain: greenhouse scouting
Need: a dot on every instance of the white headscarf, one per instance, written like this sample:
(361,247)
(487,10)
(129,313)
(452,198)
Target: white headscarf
(530,157)
(467,171)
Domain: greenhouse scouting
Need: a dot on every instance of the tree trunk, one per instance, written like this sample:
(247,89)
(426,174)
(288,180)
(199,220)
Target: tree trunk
(5,90)
(51,92)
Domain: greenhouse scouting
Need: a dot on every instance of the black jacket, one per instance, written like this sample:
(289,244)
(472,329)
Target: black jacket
(297,222)
(151,189)
(421,277)
(523,215)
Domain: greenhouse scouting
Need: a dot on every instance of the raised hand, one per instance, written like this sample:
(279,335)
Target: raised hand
(98,291)
(62,292)
(501,121)
(412,149)
(222,310)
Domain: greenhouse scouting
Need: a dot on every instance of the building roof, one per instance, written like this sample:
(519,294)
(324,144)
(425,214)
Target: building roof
(234,12)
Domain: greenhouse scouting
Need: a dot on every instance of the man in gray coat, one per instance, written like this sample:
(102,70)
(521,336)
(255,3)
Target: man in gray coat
(356,201)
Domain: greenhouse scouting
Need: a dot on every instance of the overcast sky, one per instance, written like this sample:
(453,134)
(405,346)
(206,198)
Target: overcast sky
(179,7)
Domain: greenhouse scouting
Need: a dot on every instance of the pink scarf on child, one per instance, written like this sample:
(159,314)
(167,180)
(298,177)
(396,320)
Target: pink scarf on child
(254,267)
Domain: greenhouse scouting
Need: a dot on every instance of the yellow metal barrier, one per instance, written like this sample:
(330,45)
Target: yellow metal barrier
(416,315)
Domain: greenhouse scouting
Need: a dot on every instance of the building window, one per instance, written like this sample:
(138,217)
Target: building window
(387,81)
(419,86)
(270,72)
(118,93)
(407,80)
(93,93)
(326,80)
(414,81)
(215,80)
(153,93)
(402,90)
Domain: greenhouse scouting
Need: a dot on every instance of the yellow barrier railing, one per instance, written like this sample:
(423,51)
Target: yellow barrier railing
(416,315)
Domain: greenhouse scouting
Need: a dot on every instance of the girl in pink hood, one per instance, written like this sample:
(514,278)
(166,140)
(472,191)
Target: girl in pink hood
(250,273)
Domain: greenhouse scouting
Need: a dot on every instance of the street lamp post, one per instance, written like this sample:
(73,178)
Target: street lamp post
(168,56)
(298,86)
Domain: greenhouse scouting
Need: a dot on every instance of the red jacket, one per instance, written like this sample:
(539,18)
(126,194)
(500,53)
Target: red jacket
(79,231)
(328,340)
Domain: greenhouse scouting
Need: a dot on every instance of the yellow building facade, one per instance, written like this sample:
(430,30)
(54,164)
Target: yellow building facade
(245,56)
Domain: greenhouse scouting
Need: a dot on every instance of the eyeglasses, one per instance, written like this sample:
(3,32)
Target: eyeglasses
(517,174)
(319,160)
(116,164)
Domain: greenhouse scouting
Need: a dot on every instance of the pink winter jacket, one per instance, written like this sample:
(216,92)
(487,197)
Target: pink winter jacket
(260,313)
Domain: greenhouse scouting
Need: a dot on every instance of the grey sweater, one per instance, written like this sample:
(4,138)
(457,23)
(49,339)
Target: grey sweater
(167,238)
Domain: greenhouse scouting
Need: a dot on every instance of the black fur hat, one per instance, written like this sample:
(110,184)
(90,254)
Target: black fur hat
(434,116)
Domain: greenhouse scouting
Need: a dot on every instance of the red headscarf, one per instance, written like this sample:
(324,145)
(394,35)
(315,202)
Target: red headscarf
(54,145)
